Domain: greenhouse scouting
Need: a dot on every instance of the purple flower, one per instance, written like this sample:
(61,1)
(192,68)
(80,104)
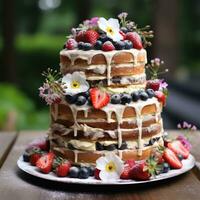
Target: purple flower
(163,84)
(123,15)
(184,141)
(194,128)
(91,23)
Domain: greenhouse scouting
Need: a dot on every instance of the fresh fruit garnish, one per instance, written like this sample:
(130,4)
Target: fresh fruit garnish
(161,97)
(74,172)
(135,96)
(171,158)
(178,148)
(87,46)
(108,46)
(91,36)
(116,99)
(119,45)
(71,99)
(71,44)
(165,167)
(62,170)
(80,37)
(126,172)
(135,39)
(40,143)
(123,34)
(150,92)
(45,162)
(128,44)
(153,84)
(143,95)
(84,173)
(125,99)
(34,158)
(81,100)
(96,174)
(91,170)
(99,98)
(98,45)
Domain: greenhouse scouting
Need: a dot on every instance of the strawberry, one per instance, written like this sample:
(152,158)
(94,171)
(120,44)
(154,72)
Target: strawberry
(108,46)
(171,158)
(91,36)
(45,162)
(71,44)
(63,169)
(40,143)
(161,97)
(135,39)
(153,84)
(126,172)
(178,148)
(96,174)
(34,158)
(80,37)
(99,98)
(139,172)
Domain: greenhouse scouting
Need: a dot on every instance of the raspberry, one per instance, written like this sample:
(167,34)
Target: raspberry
(108,46)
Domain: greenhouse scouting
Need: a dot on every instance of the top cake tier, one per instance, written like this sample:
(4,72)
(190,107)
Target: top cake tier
(120,71)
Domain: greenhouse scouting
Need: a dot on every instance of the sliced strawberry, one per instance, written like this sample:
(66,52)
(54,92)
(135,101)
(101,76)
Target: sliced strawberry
(138,172)
(171,158)
(34,158)
(135,39)
(178,148)
(126,173)
(99,98)
(45,162)
(80,37)
(63,169)
(96,174)
(161,97)
(91,36)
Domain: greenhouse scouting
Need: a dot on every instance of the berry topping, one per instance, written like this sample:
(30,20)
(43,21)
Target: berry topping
(110,147)
(128,44)
(71,99)
(150,93)
(45,162)
(87,46)
(99,98)
(123,34)
(81,45)
(62,170)
(135,96)
(135,39)
(161,97)
(171,158)
(116,99)
(81,100)
(34,158)
(99,146)
(91,170)
(91,36)
(80,37)
(74,172)
(126,98)
(98,45)
(153,84)
(119,45)
(108,46)
(26,156)
(71,44)
(84,173)
(143,96)
(96,174)
(103,38)
(165,167)
(178,148)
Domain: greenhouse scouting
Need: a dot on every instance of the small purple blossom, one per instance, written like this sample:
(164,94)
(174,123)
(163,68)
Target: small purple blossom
(184,141)
(163,84)
(123,15)
(194,128)
(91,23)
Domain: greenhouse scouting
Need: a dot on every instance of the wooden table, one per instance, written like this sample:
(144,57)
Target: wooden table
(15,184)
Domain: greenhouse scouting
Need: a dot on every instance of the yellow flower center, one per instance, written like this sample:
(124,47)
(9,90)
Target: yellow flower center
(75,84)
(110,167)
(109,30)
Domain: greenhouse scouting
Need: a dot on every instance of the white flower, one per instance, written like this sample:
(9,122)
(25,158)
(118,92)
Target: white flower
(111,27)
(74,83)
(110,166)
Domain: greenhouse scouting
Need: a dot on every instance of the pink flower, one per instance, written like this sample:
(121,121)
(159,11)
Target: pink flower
(91,23)
(163,84)
(179,126)
(194,128)
(184,141)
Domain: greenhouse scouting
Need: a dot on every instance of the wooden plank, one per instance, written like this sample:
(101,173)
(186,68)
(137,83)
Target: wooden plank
(23,186)
(6,141)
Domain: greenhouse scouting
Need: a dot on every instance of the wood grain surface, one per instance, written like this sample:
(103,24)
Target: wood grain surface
(16,184)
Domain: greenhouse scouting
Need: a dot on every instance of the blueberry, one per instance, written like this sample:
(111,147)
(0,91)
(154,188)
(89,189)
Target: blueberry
(115,99)
(123,146)
(126,98)
(135,96)
(99,146)
(165,167)
(128,44)
(98,45)
(180,157)
(151,141)
(71,99)
(119,45)
(124,30)
(74,172)
(84,173)
(26,156)
(143,96)
(85,94)
(103,38)
(81,100)
(150,93)
(89,101)
(110,147)
(91,170)
(87,46)
(80,45)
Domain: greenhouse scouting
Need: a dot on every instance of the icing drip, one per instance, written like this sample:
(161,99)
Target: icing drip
(75,156)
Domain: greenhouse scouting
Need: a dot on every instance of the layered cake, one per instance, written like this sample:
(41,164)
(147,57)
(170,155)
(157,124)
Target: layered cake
(103,102)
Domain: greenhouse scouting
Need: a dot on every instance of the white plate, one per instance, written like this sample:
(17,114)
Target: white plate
(25,166)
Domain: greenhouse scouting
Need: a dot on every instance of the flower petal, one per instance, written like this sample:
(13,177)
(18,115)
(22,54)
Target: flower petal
(102,23)
(101,163)
(108,176)
(114,23)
